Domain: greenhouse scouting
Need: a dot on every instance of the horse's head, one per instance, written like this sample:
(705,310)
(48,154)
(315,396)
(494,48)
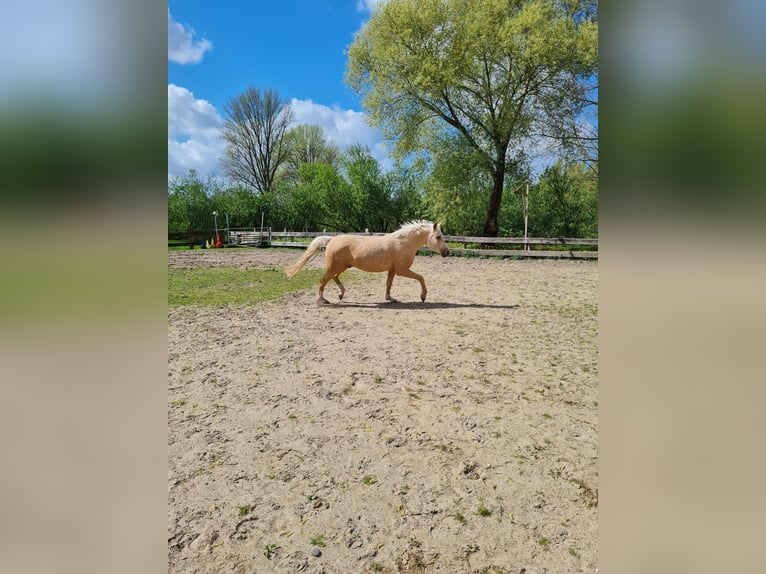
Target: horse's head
(436,240)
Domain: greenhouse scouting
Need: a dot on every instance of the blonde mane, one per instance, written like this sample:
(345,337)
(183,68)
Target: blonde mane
(413,226)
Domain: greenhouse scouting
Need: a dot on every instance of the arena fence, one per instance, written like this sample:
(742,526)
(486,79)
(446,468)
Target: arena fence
(558,247)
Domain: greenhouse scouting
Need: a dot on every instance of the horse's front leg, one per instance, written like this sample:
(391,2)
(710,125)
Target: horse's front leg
(413,275)
(389,282)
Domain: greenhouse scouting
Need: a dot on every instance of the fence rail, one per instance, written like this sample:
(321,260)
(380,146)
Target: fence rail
(521,247)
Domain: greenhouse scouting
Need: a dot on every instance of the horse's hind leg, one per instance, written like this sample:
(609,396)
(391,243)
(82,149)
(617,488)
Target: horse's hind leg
(322,282)
(340,285)
(334,268)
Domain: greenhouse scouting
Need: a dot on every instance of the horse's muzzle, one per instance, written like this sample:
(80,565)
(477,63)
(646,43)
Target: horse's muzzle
(445,253)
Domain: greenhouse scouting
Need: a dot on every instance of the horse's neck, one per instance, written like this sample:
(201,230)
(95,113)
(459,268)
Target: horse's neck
(417,239)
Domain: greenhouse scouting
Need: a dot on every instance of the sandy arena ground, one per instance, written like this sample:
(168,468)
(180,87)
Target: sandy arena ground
(455,436)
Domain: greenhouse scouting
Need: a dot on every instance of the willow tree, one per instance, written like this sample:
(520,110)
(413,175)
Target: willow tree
(254,133)
(493,71)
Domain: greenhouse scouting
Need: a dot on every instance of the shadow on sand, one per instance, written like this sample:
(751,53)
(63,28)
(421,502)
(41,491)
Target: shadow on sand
(417,305)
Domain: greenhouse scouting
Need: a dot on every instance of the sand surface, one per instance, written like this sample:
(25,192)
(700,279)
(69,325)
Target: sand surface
(457,436)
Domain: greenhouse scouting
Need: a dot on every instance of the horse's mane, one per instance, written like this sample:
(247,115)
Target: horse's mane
(412,226)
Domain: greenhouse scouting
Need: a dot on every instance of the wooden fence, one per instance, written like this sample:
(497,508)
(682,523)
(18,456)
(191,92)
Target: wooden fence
(493,246)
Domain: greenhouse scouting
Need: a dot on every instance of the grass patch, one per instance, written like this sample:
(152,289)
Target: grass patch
(244,509)
(483,510)
(222,286)
(319,540)
(460,518)
(369,479)
(544,542)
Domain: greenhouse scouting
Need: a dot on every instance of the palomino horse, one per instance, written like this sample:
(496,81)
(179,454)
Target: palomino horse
(394,253)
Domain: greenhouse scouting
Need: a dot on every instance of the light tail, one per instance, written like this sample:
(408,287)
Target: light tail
(313,250)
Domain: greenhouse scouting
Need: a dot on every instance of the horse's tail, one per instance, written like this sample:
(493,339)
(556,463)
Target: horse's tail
(312,251)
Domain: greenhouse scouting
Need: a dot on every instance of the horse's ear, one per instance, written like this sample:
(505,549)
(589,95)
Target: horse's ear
(436,225)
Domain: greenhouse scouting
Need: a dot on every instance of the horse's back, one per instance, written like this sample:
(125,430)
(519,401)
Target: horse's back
(376,253)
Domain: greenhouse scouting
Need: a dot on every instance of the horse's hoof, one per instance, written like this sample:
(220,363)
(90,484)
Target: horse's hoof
(322,301)
(340,297)
(422,298)
(392,300)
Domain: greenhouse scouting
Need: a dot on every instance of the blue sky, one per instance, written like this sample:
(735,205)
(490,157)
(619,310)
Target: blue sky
(216,49)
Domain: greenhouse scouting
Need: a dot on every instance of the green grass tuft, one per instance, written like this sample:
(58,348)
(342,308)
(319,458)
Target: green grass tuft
(483,510)
(319,540)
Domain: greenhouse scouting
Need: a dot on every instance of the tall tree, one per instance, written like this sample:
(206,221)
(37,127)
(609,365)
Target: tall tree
(366,185)
(493,71)
(307,144)
(255,137)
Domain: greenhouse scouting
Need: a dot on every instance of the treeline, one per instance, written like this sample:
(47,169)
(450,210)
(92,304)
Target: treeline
(458,119)
(349,192)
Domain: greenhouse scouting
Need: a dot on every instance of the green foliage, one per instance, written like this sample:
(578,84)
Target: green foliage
(564,203)
(354,196)
(357,195)
(367,191)
(457,188)
(491,72)
(189,205)
(307,145)
(304,205)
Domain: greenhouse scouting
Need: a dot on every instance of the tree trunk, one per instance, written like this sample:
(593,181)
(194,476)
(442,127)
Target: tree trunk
(490,223)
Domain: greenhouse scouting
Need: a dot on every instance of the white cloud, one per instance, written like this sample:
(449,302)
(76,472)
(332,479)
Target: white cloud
(182,46)
(194,140)
(344,127)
